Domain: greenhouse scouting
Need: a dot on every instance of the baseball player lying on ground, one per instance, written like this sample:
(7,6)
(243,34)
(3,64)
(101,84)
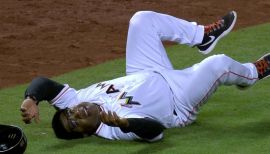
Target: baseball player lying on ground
(153,96)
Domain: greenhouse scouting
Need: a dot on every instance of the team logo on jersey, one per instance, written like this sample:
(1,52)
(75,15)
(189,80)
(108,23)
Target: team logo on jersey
(127,101)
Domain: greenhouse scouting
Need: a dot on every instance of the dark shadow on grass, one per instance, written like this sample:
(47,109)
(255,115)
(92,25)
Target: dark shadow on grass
(93,141)
(154,147)
(96,141)
(212,131)
(258,129)
(254,129)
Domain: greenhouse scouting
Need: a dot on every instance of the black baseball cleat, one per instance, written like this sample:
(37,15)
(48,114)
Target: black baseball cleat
(215,31)
(263,66)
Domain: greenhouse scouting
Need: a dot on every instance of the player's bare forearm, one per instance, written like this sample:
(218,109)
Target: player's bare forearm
(112,119)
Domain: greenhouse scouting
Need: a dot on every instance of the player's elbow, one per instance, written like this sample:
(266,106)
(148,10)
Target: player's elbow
(156,138)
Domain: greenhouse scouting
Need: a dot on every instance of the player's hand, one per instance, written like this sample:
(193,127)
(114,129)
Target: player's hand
(112,119)
(29,111)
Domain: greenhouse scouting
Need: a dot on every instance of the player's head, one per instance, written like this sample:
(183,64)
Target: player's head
(82,120)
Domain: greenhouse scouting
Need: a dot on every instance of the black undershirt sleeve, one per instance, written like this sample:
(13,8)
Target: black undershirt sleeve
(145,128)
(42,88)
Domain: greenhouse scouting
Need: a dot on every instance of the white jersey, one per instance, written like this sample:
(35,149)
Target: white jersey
(153,88)
(144,94)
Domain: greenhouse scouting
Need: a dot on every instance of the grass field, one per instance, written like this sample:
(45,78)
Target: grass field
(232,121)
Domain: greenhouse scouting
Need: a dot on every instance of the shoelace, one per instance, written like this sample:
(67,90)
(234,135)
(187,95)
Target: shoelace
(262,66)
(214,26)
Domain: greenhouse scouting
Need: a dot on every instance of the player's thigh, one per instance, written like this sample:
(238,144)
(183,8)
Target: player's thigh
(144,48)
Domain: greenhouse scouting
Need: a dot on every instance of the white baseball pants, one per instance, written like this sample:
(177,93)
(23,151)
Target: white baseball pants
(191,86)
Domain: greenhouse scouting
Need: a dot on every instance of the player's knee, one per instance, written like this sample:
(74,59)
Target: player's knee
(141,18)
(219,63)
(219,58)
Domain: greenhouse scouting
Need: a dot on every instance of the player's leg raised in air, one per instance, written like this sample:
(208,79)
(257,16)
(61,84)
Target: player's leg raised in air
(148,29)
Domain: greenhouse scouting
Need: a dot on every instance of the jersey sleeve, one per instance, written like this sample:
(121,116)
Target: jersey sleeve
(67,98)
(115,133)
(140,128)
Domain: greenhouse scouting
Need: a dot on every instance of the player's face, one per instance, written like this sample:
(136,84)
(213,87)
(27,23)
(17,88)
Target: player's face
(83,118)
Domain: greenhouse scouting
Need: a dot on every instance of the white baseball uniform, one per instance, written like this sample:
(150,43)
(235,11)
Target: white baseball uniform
(152,88)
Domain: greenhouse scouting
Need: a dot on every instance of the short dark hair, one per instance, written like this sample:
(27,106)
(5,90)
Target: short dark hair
(59,129)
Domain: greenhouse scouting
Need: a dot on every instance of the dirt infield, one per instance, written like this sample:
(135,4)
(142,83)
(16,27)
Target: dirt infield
(51,37)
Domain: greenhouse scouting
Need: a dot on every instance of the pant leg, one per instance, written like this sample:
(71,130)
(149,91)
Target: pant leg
(215,71)
(146,32)
(193,86)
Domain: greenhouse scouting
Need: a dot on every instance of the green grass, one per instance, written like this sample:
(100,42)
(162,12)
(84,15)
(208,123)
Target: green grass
(232,121)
